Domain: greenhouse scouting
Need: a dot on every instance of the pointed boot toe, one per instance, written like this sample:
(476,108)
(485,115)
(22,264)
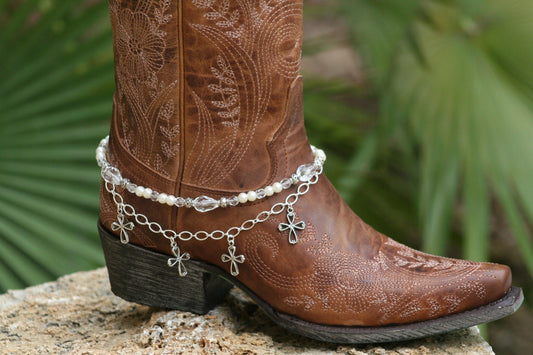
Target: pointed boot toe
(496,280)
(445,286)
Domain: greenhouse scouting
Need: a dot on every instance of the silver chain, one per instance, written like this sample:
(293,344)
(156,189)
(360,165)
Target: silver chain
(170,234)
(124,209)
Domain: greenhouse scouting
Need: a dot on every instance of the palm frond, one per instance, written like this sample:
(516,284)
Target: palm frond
(57,83)
(458,84)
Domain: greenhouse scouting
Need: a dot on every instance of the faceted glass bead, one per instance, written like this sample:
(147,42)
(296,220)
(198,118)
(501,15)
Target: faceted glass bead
(286,183)
(233,201)
(112,175)
(180,202)
(306,172)
(131,187)
(205,204)
(260,193)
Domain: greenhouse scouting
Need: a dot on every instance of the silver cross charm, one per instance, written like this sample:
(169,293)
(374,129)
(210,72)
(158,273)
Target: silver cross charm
(233,259)
(291,226)
(122,226)
(179,259)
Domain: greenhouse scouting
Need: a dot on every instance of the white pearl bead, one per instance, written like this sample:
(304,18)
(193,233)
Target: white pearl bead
(252,196)
(139,191)
(243,197)
(162,198)
(147,193)
(171,200)
(269,191)
(277,187)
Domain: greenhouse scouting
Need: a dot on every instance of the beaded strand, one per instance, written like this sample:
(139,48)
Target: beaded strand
(204,203)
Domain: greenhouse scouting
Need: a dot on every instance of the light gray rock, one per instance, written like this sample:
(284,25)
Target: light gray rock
(77,314)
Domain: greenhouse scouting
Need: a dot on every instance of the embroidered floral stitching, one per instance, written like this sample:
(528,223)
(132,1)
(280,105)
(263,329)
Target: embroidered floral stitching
(225,19)
(334,283)
(225,88)
(258,39)
(143,100)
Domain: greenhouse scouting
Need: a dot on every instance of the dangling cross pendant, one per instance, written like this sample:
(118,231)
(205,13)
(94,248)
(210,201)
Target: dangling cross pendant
(235,260)
(291,226)
(123,226)
(179,259)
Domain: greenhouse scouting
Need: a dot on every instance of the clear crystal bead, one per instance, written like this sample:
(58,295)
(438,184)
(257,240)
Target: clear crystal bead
(154,196)
(286,183)
(260,193)
(131,187)
(233,201)
(306,172)
(112,175)
(205,204)
(180,202)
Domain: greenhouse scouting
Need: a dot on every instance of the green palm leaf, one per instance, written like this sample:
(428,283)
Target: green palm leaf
(456,79)
(57,83)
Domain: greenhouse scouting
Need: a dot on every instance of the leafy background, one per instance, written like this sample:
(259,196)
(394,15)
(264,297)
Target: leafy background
(425,109)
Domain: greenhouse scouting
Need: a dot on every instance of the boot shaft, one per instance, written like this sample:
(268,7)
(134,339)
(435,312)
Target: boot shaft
(207,92)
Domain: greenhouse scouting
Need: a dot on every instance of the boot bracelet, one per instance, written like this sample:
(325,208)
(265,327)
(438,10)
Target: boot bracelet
(305,176)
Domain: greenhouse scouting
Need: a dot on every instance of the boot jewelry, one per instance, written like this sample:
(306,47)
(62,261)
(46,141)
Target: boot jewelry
(205,203)
(307,175)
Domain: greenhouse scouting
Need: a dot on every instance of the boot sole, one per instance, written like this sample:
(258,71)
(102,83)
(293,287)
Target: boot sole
(142,276)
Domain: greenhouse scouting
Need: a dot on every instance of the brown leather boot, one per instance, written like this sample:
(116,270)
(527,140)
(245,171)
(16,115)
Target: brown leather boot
(208,170)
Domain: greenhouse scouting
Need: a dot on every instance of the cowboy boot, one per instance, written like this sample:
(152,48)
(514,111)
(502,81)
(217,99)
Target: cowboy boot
(209,181)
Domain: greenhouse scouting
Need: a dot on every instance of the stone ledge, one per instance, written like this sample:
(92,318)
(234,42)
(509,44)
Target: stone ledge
(77,314)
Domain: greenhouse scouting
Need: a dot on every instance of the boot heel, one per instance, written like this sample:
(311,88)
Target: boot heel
(142,276)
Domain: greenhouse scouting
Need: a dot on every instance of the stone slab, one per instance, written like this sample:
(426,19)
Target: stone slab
(78,314)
